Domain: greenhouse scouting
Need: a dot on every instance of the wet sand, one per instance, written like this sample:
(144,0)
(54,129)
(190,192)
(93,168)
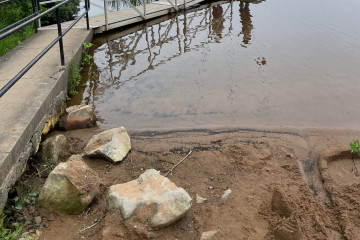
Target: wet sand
(264,169)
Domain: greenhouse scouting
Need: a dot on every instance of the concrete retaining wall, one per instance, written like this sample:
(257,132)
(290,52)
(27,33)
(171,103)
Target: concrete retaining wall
(33,109)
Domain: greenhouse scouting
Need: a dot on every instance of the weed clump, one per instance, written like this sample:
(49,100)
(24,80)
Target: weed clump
(86,57)
(6,233)
(355,147)
(75,76)
(74,79)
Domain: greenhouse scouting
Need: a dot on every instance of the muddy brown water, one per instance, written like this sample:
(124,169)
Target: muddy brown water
(231,63)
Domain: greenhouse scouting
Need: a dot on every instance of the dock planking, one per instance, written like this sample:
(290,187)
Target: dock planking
(121,18)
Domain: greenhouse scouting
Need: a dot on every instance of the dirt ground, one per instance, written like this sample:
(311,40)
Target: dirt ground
(278,190)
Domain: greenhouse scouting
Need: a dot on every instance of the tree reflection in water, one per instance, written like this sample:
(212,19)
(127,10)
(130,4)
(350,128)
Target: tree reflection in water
(132,52)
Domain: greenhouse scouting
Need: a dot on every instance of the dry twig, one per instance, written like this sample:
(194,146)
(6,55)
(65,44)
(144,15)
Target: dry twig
(354,169)
(87,228)
(171,170)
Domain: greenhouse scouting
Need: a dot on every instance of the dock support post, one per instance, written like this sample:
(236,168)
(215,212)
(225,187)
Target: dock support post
(144,4)
(172,4)
(137,10)
(87,4)
(106,16)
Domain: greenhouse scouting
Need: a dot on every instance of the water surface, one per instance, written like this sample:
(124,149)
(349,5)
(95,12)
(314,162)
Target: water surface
(276,63)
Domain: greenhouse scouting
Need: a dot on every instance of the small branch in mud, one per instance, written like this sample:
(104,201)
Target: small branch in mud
(166,161)
(87,228)
(39,173)
(171,170)
(354,168)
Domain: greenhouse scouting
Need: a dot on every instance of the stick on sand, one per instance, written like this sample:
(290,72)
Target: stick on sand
(89,226)
(170,171)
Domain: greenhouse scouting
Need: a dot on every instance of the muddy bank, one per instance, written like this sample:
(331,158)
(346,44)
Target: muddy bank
(277,190)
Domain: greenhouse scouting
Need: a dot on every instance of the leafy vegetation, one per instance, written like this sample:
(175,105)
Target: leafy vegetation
(10,13)
(86,56)
(74,79)
(15,10)
(24,197)
(18,202)
(67,12)
(355,147)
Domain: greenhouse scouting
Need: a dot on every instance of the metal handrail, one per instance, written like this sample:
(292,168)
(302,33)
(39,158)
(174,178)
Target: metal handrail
(18,22)
(35,12)
(44,3)
(43,52)
(5,1)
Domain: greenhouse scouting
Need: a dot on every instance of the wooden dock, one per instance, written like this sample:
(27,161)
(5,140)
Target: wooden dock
(129,16)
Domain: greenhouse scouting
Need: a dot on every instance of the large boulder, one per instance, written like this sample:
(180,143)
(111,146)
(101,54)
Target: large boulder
(77,117)
(148,190)
(112,145)
(49,153)
(70,187)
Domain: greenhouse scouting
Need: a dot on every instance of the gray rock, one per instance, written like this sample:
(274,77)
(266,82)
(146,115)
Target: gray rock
(31,209)
(51,217)
(50,151)
(226,194)
(150,188)
(37,220)
(112,145)
(208,235)
(77,117)
(70,187)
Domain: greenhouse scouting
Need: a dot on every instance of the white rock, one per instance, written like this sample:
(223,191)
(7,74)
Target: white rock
(208,235)
(200,199)
(226,194)
(150,188)
(113,145)
(29,236)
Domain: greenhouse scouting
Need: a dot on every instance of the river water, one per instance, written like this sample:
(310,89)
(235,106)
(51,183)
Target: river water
(276,63)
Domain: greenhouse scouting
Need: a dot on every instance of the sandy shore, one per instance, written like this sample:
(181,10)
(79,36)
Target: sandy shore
(263,168)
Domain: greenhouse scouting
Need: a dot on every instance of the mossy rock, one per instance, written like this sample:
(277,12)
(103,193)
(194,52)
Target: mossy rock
(70,187)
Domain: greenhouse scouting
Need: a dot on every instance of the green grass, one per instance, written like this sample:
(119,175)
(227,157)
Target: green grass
(9,234)
(74,78)
(13,40)
(10,13)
